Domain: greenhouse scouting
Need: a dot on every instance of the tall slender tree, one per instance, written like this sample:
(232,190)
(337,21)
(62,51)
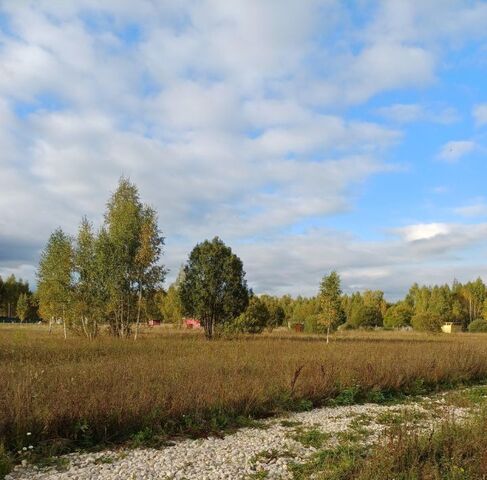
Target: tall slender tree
(54,278)
(87,302)
(149,273)
(23,307)
(332,313)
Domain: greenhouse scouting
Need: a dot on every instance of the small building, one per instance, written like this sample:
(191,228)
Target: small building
(191,323)
(298,327)
(153,323)
(451,327)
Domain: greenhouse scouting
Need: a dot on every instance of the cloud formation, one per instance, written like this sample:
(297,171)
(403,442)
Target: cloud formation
(234,118)
(456,149)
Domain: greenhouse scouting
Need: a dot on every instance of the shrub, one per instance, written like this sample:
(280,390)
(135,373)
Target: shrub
(478,326)
(312,325)
(398,316)
(367,317)
(254,319)
(427,322)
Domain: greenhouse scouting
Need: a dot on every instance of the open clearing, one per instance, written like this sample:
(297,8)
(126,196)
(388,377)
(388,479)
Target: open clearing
(129,400)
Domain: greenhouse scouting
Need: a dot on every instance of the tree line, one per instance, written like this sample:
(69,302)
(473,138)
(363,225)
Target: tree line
(17,300)
(113,278)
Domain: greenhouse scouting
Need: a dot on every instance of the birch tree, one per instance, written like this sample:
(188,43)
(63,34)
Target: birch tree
(332,313)
(54,278)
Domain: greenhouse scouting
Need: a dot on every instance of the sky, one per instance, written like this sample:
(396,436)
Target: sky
(309,136)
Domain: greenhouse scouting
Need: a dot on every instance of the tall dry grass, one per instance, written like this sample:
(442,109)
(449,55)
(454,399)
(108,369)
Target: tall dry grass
(80,393)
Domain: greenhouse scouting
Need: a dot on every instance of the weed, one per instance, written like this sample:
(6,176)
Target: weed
(290,423)
(310,437)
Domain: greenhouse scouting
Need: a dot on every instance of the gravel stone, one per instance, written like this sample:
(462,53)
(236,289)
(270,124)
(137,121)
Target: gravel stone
(235,456)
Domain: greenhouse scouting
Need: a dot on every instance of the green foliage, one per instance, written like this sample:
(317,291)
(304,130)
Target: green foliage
(478,326)
(311,437)
(302,308)
(399,315)
(367,317)
(54,277)
(347,396)
(10,291)
(277,315)
(332,313)
(169,304)
(23,307)
(255,318)
(312,324)
(427,322)
(106,277)
(214,288)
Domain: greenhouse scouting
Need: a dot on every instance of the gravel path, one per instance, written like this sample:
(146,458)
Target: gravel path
(242,455)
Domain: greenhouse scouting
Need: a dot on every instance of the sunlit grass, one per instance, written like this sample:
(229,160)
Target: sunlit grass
(77,393)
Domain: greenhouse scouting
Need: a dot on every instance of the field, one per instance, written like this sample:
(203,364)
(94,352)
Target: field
(62,394)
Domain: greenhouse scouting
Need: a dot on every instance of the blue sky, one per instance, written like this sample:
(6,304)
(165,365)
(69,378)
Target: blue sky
(310,136)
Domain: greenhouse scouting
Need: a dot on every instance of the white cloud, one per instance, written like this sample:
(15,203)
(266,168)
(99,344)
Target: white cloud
(230,116)
(386,66)
(480,114)
(476,209)
(411,112)
(453,151)
(423,231)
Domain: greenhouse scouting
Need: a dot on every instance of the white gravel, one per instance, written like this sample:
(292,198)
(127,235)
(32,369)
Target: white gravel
(236,456)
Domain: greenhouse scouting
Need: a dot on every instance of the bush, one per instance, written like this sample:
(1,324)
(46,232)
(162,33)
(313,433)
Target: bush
(398,316)
(427,322)
(367,317)
(254,319)
(312,325)
(478,326)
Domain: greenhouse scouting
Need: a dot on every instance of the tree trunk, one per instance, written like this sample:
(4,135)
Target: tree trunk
(328,334)
(64,323)
(84,323)
(208,328)
(138,315)
(50,325)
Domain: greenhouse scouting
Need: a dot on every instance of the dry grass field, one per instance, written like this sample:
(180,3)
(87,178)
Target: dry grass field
(74,393)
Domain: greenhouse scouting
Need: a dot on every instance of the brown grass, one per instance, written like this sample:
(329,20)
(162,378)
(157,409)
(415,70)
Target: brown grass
(76,393)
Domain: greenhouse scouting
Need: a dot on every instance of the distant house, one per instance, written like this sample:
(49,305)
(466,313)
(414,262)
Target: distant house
(451,327)
(191,323)
(153,323)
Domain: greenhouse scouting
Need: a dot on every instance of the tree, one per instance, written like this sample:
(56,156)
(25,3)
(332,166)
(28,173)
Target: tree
(54,278)
(399,315)
(10,290)
(276,311)
(169,304)
(23,307)
(255,318)
(149,274)
(330,302)
(87,307)
(130,247)
(214,288)
(368,317)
